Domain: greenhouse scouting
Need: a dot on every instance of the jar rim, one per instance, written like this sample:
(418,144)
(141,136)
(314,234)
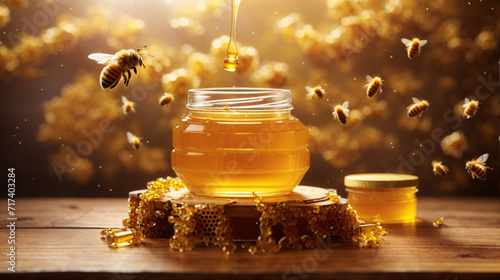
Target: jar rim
(239,99)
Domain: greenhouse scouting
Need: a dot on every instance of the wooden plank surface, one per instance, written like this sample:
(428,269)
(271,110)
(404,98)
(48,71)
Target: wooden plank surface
(70,212)
(59,237)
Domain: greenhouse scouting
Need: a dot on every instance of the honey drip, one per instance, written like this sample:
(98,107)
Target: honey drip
(231,60)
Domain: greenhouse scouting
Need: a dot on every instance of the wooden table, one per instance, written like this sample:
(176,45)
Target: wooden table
(59,238)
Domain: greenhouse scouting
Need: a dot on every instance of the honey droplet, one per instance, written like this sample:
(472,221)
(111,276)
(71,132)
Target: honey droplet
(231,62)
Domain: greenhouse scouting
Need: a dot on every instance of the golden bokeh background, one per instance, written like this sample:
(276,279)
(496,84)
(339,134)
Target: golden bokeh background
(67,137)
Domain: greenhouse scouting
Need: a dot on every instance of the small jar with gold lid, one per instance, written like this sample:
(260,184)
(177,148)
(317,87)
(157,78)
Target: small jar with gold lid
(383,197)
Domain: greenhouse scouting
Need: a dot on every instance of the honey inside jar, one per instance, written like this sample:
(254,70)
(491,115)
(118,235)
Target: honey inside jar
(236,141)
(384,197)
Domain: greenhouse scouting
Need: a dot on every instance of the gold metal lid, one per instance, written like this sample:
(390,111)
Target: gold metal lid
(380,180)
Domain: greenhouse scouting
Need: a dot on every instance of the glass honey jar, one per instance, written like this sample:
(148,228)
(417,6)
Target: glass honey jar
(236,141)
(383,197)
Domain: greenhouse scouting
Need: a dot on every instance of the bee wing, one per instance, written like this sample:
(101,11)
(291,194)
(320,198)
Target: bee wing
(482,159)
(467,102)
(415,100)
(345,105)
(310,93)
(369,79)
(102,58)
(124,100)
(407,42)
(130,137)
(423,42)
(308,88)
(380,90)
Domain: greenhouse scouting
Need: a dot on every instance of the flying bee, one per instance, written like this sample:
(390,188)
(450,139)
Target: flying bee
(341,112)
(133,140)
(374,85)
(417,108)
(117,66)
(128,106)
(317,91)
(166,98)
(438,222)
(477,167)
(471,107)
(438,168)
(413,46)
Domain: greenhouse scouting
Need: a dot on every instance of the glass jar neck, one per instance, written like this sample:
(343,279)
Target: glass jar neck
(240,115)
(382,190)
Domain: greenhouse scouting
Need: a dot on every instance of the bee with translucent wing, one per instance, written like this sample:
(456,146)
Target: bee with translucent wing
(118,66)
(471,107)
(438,222)
(128,106)
(413,46)
(133,140)
(477,167)
(438,168)
(317,91)
(417,108)
(341,112)
(165,99)
(374,85)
